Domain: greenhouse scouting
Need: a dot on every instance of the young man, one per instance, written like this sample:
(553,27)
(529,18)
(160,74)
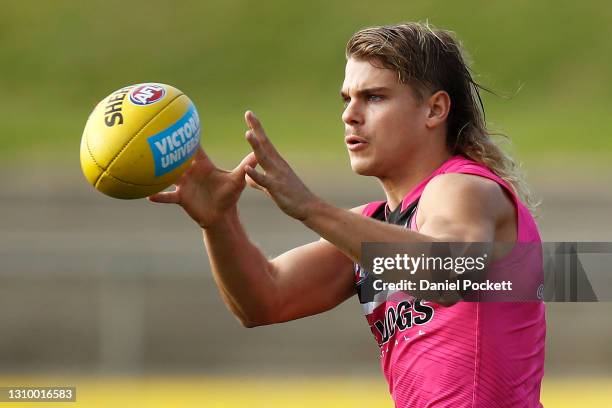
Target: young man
(413,120)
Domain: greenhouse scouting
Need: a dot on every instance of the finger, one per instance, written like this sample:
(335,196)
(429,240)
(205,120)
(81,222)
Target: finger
(259,178)
(268,158)
(251,183)
(265,146)
(166,197)
(255,125)
(200,155)
(239,173)
(260,154)
(201,164)
(249,160)
(253,122)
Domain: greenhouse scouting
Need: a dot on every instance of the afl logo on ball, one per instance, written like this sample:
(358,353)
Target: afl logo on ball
(147,94)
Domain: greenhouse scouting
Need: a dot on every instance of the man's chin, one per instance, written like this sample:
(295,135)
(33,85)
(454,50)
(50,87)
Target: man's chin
(362,168)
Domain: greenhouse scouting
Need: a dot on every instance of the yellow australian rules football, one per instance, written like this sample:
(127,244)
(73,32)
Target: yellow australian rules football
(139,140)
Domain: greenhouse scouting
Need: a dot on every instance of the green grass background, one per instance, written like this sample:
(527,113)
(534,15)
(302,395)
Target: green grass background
(285,60)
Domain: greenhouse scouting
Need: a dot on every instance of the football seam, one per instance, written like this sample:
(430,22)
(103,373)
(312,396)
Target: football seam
(140,130)
(95,162)
(129,183)
(104,171)
(107,169)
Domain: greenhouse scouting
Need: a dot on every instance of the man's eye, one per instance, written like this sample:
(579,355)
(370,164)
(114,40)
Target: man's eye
(375,98)
(346,101)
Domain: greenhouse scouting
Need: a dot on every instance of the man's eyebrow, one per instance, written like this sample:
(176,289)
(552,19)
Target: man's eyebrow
(366,91)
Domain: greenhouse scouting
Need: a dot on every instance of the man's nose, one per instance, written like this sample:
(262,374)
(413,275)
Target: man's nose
(352,114)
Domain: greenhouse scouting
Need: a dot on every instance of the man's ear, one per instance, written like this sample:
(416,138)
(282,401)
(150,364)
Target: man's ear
(439,105)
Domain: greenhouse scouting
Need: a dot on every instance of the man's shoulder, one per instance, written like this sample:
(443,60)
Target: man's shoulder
(359,209)
(466,191)
(462,184)
(367,209)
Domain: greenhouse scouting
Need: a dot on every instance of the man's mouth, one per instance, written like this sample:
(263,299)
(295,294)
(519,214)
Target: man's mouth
(355,143)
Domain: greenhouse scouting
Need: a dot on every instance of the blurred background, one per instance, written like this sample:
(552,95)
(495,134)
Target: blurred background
(116,297)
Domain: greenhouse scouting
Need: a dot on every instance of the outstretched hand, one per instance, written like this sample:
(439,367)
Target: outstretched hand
(279,180)
(206,192)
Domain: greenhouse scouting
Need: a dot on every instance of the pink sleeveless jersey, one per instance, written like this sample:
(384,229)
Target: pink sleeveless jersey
(471,354)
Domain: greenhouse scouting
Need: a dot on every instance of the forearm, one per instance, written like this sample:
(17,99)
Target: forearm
(242,273)
(348,230)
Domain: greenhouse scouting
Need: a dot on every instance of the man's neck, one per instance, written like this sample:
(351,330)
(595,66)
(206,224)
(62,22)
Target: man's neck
(403,180)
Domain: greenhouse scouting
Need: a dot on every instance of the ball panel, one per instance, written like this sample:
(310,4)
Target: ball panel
(162,150)
(116,188)
(116,120)
(90,168)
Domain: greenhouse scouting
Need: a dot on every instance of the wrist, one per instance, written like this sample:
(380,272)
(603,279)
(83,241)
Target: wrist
(314,210)
(224,221)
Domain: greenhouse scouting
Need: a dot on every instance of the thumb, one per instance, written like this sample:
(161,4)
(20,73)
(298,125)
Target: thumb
(202,162)
(249,160)
(201,155)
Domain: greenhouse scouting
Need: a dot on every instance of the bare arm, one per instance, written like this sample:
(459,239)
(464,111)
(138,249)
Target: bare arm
(304,281)
(318,276)
(453,207)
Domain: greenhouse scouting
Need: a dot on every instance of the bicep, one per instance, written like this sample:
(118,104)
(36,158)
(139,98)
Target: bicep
(459,208)
(462,208)
(311,279)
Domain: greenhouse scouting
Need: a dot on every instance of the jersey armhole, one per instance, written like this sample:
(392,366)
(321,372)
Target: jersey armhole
(506,189)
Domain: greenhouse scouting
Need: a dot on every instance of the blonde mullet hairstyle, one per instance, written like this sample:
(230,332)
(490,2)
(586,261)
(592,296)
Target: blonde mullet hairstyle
(430,60)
